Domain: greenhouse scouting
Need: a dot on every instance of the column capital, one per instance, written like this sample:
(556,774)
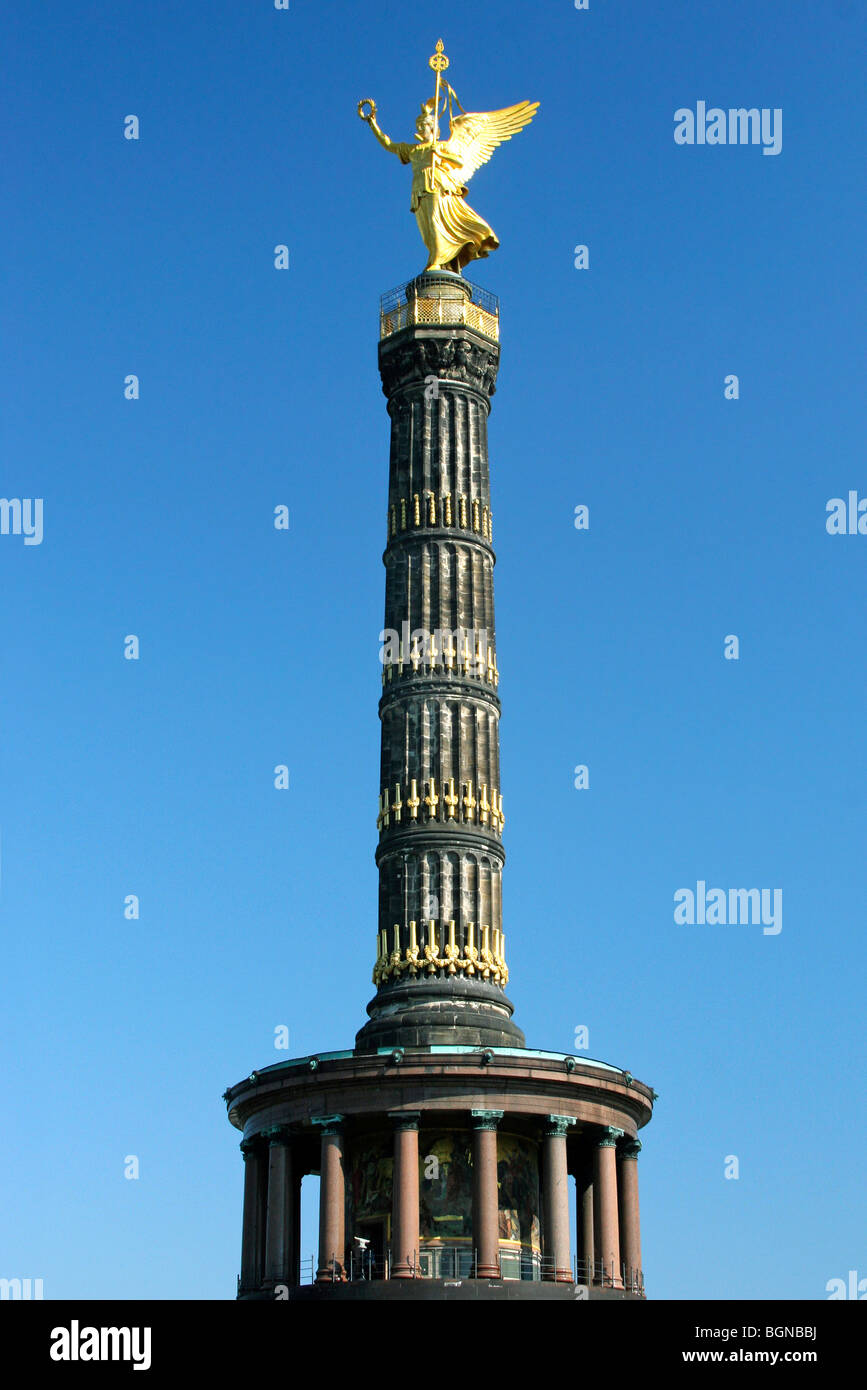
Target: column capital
(465,362)
(608,1137)
(251,1145)
(404,1119)
(486,1119)
(277,1134)
(630,1149)
(330,1124)
(557,1126)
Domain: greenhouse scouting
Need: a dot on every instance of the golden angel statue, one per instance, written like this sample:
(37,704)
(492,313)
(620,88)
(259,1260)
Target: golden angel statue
(452,232)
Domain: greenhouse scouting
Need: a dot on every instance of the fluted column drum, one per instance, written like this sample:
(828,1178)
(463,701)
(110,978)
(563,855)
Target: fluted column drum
(440,963)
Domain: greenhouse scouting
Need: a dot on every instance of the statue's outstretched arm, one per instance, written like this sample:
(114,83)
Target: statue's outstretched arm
(367,112)
(384,140)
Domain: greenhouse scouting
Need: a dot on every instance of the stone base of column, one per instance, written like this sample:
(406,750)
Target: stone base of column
(431,1013)
(455,1092)
(458,1291)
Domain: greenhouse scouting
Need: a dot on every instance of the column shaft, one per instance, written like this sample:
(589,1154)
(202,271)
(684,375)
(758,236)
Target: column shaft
(405,1201)
(439,808)
(295,1253)
(606,1223)
(584,1204)
(486,1207)
(558,1257)
(332,1196)
(251,1247)
(631,1226)
(278,1228)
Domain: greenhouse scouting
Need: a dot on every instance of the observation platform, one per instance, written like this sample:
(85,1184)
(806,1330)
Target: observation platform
(440,298)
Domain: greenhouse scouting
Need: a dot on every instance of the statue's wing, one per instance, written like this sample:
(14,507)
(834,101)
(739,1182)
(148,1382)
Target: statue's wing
(476,134)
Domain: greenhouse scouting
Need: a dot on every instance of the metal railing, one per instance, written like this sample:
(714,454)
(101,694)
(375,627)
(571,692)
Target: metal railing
(401,308)
(456,1263)
(601,1274)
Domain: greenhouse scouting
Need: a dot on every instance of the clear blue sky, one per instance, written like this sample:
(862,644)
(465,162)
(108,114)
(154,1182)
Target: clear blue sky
(258,647)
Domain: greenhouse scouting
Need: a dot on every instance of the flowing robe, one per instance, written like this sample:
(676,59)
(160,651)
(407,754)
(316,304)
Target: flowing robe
(452,232)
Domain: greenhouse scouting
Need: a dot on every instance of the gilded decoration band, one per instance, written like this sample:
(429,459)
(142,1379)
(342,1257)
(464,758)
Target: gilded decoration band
(422,309)
(426,509)
(407,806)
(478,660)
(441,951)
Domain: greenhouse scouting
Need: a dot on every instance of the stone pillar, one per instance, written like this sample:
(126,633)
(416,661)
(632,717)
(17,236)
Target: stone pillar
(555,1200)
(584,1211)
(254,1199)
(630,1225)
(332,1198)
(279,1242)
(405,1195)
(486,1201)
(606,1224)
(295,1255)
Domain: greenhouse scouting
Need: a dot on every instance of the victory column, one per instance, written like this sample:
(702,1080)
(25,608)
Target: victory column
(443,1144)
